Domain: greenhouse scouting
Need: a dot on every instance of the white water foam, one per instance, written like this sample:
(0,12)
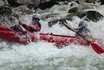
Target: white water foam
(45,56)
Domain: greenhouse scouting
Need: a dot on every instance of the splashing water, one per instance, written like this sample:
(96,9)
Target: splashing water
(45,56)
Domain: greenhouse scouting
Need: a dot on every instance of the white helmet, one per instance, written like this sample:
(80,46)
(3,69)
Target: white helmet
(36,16)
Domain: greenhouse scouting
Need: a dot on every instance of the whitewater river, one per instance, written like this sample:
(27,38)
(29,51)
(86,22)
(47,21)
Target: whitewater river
(45,56)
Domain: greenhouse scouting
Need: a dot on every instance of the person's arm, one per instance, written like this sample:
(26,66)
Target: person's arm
(24,25)
(90,35)
(67,26)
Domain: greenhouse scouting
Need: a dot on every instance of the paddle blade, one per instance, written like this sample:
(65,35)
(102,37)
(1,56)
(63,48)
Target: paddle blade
(97,48)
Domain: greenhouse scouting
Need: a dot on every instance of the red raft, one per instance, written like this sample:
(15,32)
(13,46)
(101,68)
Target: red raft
(58,40)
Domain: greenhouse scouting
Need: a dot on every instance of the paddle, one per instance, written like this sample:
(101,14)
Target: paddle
(95,46)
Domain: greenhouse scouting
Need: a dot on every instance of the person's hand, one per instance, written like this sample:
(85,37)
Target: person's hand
(20,23)
(61,20)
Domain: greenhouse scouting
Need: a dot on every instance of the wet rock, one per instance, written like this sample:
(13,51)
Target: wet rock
(16,3)
(79,14)
(5,10)
(7,17)
(58,0)
(93,16)
(77,2)
(90,1)
(2,3)
(8,20)
(6,2)
(30,6)
(102,2)
(13,3)
(47,5)
(80,7)
(32,2)
(14,16)
(73,10)
(90,15)
(21,10)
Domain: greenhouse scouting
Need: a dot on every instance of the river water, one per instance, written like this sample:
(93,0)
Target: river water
(45,56)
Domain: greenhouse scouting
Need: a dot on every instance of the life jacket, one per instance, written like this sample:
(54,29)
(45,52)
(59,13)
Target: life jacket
(82,31)
(36,26)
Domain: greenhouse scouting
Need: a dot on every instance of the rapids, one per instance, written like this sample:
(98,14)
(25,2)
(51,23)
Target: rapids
(45,56)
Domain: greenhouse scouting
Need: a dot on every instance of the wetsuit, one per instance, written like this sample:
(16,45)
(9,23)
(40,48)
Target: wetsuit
(33,28)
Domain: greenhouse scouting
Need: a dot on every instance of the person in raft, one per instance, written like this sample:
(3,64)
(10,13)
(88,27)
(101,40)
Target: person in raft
(81,31)
(34,27)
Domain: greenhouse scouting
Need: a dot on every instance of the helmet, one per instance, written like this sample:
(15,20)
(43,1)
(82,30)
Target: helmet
(36,16)
(82,23)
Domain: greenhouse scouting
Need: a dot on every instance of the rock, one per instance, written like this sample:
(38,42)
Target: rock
(6,2)
(15,16)
(102,2)
(93,16)
(5,10)
(71,15)
(80,7)
(2,3)
(7,17)
(21,10)
(13,3)
(27,1)
(16,3)
(73,10)
(77,2)
(8,20)
(47,5)
(90,1)
(32,2)
(30,6)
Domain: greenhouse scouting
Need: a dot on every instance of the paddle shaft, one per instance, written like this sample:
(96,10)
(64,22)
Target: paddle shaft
(95,46)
